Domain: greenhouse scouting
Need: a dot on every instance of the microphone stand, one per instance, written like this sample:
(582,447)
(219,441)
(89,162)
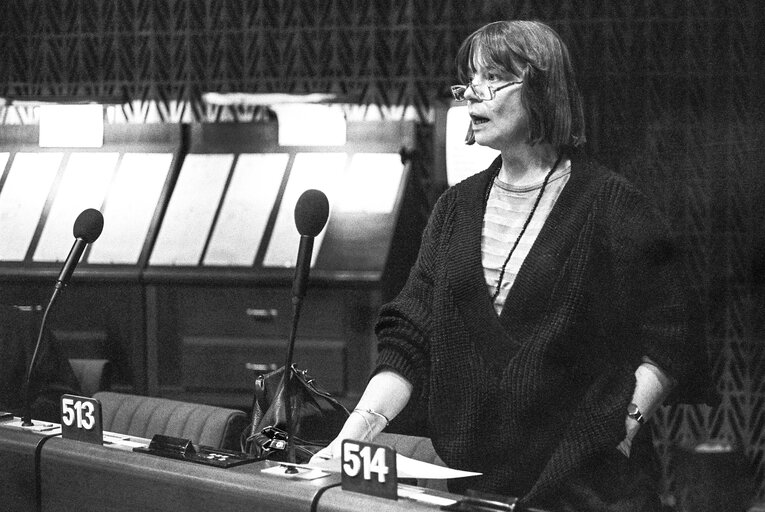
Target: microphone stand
(26,420)
(302,268)
(287,394)
(311,213)
(87,228)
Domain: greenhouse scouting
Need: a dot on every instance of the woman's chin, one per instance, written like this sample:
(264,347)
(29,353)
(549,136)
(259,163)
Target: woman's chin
(482,140)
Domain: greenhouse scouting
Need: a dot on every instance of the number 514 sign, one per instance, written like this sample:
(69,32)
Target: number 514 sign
(81,419)
(369,469)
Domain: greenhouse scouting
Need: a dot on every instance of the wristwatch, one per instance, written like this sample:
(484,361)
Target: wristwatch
(633,411)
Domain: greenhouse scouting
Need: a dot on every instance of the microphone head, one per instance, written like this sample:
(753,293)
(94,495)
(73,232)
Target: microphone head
(311,212)
(88,225)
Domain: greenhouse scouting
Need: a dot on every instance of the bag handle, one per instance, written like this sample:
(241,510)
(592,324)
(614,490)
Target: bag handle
(310,382)
(258,401)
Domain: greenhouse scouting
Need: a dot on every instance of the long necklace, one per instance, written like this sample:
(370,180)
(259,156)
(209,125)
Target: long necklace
(525,224)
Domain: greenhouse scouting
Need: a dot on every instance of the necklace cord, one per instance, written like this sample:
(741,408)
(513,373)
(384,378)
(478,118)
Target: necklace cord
(525,224)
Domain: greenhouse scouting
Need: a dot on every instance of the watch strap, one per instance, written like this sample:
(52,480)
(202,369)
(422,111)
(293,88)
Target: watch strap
(633,411)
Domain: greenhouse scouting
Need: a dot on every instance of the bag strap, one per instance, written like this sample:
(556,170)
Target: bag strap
(310,382)
(258,403)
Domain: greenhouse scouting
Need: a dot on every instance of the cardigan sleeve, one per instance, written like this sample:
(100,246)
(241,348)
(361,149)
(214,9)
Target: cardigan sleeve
(650,271)
(404,323)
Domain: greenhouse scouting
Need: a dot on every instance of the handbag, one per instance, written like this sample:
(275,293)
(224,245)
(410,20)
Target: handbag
(317,417)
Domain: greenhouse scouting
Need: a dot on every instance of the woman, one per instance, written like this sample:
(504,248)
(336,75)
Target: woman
(545,318)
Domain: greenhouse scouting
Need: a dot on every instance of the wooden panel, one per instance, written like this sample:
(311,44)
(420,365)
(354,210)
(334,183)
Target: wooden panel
(93,320)
(205,335)
(226,364)
(258,311)
(90,344)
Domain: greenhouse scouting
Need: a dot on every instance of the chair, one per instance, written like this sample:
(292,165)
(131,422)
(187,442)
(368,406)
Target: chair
(145,416)
(418,448)
(93,375)
(712,476)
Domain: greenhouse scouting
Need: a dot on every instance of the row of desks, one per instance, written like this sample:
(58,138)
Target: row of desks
(43,472)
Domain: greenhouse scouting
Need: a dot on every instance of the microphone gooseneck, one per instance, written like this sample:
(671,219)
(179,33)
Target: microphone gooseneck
(311,213)
(87,228)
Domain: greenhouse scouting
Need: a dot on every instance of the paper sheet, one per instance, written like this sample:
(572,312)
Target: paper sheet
(38,427)
(421,494)
(123,441)
(406,468)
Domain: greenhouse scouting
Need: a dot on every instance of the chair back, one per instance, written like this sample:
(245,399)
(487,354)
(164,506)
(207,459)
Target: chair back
(93,375)
(145,416)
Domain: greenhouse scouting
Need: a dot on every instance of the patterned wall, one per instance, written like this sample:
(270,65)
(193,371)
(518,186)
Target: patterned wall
(673,93)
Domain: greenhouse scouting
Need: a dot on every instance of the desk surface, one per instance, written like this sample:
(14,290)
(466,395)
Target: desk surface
(74,475)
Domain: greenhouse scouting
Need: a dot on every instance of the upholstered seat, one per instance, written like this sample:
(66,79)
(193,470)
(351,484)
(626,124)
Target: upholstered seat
(145,416)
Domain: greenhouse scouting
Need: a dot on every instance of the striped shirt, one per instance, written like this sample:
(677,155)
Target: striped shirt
(506,211)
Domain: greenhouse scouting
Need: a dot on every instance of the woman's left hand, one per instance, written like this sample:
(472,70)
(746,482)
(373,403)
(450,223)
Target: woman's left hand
(631,426)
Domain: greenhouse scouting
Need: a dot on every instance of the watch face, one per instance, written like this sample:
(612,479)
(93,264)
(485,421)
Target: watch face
(632,409)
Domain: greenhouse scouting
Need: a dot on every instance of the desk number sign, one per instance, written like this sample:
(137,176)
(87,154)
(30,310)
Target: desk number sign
(369,469)
(81,419)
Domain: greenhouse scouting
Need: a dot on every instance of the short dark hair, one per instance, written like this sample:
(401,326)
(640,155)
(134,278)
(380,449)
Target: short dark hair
(535,53)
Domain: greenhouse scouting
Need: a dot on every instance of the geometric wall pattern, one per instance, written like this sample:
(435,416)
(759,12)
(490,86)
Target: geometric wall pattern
(673,94)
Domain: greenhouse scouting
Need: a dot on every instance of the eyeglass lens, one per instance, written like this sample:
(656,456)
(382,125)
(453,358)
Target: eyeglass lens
(458,91)
(482,91)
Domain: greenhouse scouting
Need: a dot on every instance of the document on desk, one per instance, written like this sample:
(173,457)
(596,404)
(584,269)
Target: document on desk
(38,427)
(125,442)
(407,468)
(412,468)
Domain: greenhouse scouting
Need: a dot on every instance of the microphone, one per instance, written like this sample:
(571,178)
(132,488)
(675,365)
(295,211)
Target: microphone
(87,228)
(311,212)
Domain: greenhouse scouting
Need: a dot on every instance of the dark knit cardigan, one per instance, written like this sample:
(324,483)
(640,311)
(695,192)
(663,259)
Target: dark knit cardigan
(526,397)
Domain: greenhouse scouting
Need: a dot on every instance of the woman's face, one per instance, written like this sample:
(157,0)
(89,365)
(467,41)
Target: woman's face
(502,122)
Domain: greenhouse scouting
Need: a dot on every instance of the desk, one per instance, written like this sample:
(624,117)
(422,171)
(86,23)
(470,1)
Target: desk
(83,477)
(338,500)
(73,475)
(18,481)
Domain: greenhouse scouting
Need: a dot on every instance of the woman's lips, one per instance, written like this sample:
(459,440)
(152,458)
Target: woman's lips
(478,120)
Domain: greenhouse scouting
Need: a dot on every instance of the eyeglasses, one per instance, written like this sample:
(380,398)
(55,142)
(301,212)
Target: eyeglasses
(483,92)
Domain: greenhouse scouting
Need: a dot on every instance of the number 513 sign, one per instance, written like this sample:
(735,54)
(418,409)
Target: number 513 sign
(81,419)
(369,469)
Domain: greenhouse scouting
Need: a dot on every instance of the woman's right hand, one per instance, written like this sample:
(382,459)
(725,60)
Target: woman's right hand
(328,452)
(385,395)
(356,427)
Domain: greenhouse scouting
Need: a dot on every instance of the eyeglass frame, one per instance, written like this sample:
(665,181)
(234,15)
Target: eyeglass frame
(492,90)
